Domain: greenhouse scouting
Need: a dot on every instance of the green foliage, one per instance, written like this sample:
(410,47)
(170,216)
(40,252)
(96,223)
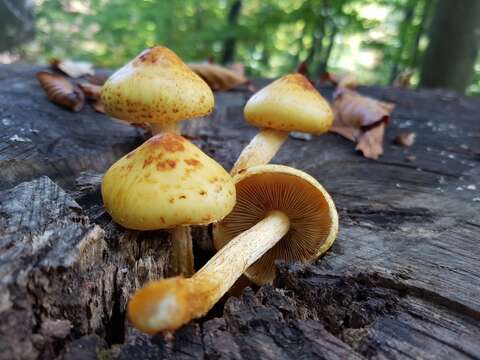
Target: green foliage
(272,36)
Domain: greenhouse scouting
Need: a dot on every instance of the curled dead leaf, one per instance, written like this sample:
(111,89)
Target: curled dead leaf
(73,69)
(91,91)
(97,79)
(405,139)
(362,120)
(345,81)
(370,142)
(98,106)
(238,68)
(219,77)
(403,80)
(61,91)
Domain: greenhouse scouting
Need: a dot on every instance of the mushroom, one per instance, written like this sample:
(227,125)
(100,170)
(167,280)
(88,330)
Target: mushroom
(157,87)
(168,183)
(281,213)
(290,103)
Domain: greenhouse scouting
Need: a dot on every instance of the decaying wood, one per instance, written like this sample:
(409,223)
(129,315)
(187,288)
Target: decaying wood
(402,280)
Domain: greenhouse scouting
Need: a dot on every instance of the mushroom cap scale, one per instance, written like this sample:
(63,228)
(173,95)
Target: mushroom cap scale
(156,87)
(310,209)
(167,182)
(290,103)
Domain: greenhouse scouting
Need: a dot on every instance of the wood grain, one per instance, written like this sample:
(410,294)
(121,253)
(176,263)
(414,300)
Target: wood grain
(402,280)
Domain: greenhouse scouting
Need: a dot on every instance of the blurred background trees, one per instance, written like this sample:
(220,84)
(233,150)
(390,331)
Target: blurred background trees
(433,41)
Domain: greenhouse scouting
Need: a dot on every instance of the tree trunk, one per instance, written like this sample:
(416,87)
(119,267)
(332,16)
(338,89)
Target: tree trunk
(409,11)
(427,8)
(231,41)
(17,23)
(322,67)
(454,41)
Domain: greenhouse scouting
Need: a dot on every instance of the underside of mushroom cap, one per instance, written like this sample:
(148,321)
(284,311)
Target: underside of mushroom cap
(290,103)
(156,87)
(167,182)
(310,209)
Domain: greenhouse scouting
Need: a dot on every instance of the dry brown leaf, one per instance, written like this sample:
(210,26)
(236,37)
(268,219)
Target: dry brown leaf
(345,81)
(144,126)
(370,142)
(91,91)
(61,91)
(238,68)
(98,106)
(97,79)
(403,80)
(218,77)
(361,119)
(74,69)
(405,139)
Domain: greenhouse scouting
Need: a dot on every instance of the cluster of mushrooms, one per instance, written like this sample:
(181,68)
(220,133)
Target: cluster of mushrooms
(261,213)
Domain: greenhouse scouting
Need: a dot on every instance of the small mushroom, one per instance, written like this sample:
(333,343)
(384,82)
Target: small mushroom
(281,213)
(168,183)
(157,87)
(290,103)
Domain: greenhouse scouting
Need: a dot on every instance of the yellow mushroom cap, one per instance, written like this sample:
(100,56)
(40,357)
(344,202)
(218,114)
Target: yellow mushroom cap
(290,103)
(156,87)
(310,209)
(167,182)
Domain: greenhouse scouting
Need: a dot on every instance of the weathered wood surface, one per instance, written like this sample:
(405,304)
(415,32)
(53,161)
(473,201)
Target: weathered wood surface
(402,281)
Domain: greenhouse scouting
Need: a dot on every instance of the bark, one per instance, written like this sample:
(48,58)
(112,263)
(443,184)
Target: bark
(401,281)
(454,41)
(231,41)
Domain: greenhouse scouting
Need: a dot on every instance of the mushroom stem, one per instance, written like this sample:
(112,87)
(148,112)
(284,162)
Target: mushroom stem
(181,258)
(174,128)
(261,149)
(170,303)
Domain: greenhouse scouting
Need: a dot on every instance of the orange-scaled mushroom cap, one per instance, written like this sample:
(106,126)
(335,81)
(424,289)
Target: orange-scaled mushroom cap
(156,87)
(167,182)
(290,103)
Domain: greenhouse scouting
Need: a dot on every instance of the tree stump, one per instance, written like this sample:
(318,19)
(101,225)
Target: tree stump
(401,281)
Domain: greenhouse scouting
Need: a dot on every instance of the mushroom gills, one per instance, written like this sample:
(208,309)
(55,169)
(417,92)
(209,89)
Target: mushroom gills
(280,213)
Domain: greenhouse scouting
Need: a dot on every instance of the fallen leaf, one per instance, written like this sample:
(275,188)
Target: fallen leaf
(405,139)
(345,81)
(403,80)
(97,79)
(362,120)
(370,142)
(144,126)
(91,91)
(238,68)
(98,106)
(61,91)
(219,77)
(74,69)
